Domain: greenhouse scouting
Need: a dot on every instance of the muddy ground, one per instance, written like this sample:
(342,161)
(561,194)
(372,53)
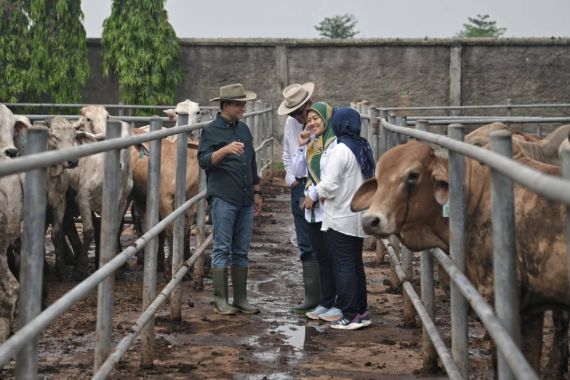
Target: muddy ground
(271,345)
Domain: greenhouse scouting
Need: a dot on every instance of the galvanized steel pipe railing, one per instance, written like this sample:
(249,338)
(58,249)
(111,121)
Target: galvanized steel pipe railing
(505,343)
(151,248)
(478,107)
(424,314)
(551,187)
(504,249)
(179,225)
(459,326)
(31,269)
(110,222)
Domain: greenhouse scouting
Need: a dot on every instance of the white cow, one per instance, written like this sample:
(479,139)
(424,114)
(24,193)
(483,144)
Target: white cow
(87,182)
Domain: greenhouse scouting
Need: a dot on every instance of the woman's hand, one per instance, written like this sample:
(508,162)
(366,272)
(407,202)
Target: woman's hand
(308,203)
(304,137)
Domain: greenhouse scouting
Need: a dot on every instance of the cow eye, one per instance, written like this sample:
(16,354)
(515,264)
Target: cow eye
(89,120)
(412,180)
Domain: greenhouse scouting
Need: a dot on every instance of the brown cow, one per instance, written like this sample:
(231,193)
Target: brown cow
(139,159)
(543,150)
(406,199)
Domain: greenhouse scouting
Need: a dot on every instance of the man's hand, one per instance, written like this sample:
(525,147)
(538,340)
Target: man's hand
(257,205)
(308,204)
(235,147)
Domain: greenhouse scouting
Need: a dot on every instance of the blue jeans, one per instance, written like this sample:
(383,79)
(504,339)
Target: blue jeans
(233,226)
(301,224)
(351,278)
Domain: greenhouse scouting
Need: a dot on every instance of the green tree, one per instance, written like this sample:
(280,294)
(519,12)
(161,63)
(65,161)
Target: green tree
(59,67)
(141,49)
(14,49)
(481,26)
(340,26)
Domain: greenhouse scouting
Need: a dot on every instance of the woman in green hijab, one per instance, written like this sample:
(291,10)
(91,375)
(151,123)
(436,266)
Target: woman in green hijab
(314,155)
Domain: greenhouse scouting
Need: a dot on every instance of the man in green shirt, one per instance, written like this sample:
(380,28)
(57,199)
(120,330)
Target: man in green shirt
(227,155)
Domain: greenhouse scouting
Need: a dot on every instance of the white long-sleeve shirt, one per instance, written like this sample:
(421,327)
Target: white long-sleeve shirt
(338,184)
(314,215)
(291,133)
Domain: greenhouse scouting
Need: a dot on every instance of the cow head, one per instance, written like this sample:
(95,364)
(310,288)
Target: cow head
(62,135)
(12,132)
(406,197)
(93,119)
(187,106)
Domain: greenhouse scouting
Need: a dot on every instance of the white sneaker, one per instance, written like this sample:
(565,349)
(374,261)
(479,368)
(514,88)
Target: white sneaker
(314,314)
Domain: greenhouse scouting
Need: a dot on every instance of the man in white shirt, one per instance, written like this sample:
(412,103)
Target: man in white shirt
(297,98)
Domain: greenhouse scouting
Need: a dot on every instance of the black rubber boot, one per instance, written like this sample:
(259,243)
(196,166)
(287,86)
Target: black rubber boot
(239,285)
(312,283)
(220,280)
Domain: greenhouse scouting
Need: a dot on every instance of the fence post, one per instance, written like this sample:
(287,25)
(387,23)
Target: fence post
(409,311)
(110,222)
(272,131)
(402,121)
(198,278)
(392,136)
(566,174)
(256,132)
(180,224)
(509,111)
(504,249)
(373,130)
(459,333)
(151,248)
(383,138)
(427,292)
(32,265)
(394,282)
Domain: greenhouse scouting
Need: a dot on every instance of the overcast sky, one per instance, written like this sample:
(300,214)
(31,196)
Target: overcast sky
(376,18)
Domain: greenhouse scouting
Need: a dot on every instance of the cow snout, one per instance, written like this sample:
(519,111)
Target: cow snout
(11,152)
(372,225)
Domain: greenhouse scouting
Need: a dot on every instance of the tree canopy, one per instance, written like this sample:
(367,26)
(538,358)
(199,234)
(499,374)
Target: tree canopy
(59,67)
(340,26)
(14,49)
(43,52)
(142,51)
(481,26)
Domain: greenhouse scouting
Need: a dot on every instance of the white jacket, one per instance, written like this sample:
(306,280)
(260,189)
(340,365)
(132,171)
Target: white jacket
(338,184)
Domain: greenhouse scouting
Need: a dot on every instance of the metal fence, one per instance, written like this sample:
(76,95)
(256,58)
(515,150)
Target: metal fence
(23,344)
(385,130)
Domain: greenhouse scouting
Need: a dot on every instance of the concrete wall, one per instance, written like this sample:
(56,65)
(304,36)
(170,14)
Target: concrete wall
(384,72)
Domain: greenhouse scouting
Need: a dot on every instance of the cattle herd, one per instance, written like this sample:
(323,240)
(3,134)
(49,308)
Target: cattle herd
(405,198)
(75,188)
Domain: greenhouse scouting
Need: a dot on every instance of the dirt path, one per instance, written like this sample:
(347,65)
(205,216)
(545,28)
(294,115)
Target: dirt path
(271,345)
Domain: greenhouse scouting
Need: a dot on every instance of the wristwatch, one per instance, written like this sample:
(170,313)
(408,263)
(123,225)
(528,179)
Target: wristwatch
(258,192)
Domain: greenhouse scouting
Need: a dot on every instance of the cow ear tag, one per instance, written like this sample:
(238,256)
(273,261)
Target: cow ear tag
(445,210)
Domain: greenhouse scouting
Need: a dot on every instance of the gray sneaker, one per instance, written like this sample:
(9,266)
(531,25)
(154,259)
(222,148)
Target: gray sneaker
(334,314)
(314,314)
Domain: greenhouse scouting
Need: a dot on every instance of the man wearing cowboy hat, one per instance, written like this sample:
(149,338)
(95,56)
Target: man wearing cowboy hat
(227,155)
(297,98)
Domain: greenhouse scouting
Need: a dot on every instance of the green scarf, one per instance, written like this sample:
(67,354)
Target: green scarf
(318,146)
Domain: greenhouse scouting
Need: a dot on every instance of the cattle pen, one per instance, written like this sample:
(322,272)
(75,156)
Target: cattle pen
(23,344)
(386,128)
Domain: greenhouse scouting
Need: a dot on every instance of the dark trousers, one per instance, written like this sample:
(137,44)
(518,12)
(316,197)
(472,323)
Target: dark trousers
(301,224)
(327,270)
(351,279)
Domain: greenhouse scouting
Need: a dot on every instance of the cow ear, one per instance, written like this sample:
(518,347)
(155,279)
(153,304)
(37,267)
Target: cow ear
(83,110)
(440,179)
(363,196)
(171,113)
(83,137)
(22,125)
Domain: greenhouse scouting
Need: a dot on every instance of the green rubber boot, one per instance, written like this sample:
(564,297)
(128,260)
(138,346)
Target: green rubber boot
(220,280)
(312,283)
(239,282)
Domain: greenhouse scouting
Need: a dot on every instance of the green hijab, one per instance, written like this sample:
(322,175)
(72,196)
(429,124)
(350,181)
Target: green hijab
(319,144)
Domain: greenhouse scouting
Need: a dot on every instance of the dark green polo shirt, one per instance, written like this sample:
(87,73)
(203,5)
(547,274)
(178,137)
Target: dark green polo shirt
(233,178)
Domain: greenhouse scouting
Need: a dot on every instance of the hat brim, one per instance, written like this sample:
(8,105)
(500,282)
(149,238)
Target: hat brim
(249,95)
(284,110)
